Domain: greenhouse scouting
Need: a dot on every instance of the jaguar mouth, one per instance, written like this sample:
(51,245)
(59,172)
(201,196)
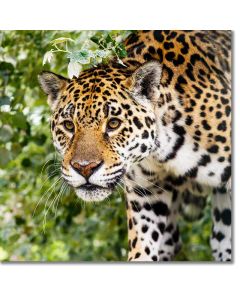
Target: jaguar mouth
(93,192)
(90,187)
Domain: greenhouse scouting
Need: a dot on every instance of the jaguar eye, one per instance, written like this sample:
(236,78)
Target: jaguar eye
(113,124)
(68,125)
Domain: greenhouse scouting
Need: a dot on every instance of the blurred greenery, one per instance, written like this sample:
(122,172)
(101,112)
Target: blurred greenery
(29,168)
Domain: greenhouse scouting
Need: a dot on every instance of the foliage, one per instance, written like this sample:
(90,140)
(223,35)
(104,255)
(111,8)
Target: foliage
(97,48)
(29,166)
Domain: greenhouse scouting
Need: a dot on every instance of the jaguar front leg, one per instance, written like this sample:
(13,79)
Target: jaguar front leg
(148,208)
(171,241)
(221,232)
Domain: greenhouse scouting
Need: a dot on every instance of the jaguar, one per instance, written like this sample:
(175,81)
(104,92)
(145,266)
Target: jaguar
(160,124)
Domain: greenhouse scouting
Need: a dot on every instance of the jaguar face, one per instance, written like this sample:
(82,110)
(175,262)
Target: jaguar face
(102,123)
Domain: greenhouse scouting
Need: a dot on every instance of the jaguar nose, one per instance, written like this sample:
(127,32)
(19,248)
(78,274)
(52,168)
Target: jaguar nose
(86,168)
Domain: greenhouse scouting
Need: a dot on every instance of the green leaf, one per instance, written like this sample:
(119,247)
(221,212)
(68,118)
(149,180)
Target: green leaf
(5,117)
(3,182)
(109,39)
(6,68)
(40,139)
(6,133)
(121,51)
(61,40)
(82,57)
(102,53)
(5,100)
(26,162)
(19,120)
(5,157)
(3,254)
(19,221)
(15,149)
(95,39)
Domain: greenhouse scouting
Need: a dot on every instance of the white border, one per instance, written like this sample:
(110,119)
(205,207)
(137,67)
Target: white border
(118,14)
(125,281)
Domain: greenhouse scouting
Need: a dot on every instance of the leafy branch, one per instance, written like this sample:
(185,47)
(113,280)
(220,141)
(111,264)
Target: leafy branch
(99,48)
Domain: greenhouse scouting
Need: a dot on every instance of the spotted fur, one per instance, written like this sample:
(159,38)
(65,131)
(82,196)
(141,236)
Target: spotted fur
(170,139)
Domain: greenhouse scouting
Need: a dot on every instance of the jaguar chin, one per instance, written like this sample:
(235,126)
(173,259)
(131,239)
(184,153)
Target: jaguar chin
(91,192)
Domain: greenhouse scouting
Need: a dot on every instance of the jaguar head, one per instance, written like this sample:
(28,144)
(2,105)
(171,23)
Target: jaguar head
(102,123)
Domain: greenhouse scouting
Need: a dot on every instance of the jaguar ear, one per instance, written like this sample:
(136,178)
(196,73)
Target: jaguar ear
(146,81)
(52,85)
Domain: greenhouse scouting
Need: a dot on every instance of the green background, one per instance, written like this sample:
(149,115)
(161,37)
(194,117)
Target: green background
(29,169)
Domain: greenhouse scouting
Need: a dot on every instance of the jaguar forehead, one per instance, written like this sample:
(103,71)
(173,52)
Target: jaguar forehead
(68,110)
